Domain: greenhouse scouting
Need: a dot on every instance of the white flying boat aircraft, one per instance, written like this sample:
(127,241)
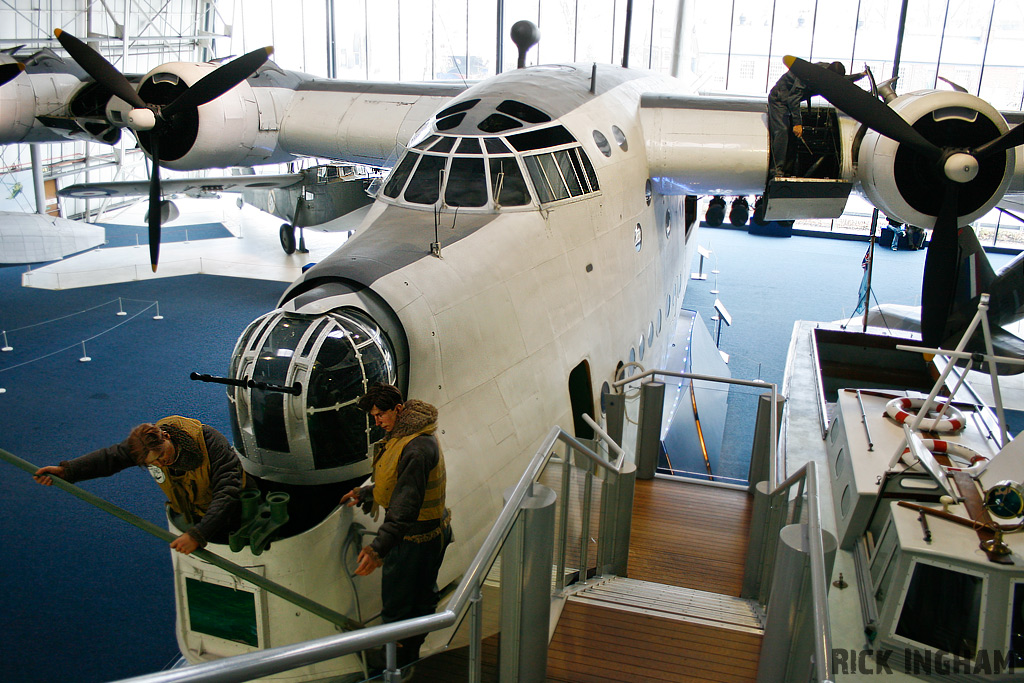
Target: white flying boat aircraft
(531,239)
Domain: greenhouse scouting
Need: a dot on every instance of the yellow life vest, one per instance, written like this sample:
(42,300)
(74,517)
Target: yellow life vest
(385,476)
(190,493)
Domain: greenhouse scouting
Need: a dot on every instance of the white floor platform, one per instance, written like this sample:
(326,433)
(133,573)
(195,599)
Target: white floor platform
(254,251)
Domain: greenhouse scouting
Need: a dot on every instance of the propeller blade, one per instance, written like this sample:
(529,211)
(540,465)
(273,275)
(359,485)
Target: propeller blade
(861,106)
(217,82)
(938,286)
(154,202)
(99,68)
(1011,138)
(8,72)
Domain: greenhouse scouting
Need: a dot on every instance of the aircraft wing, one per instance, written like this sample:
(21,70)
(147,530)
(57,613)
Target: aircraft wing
(36,238)
(359,122)
(1013,203)
(190,186)
(706,145)
(350,222)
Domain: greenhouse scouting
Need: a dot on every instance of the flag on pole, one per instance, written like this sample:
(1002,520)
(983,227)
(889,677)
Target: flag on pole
(862,296)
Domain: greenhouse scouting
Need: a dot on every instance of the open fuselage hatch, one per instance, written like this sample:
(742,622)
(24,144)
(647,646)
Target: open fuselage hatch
(816,188)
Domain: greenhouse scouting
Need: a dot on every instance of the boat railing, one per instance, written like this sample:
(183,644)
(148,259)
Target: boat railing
(786,540)
(770,464)
(587,486)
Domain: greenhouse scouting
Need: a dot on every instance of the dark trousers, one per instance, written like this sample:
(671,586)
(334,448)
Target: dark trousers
(779,124)
(408,586)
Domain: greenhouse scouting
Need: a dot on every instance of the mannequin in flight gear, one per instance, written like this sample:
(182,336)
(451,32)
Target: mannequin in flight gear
(409,485)
(784,116)
(192,463)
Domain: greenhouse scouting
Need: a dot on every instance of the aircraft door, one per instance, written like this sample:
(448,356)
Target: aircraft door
(581,396)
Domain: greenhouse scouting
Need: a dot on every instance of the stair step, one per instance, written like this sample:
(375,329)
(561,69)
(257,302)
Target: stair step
(673,602)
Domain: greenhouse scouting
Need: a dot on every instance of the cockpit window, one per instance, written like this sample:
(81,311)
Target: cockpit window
(546,178)
(449,122)
(508,187)
(467,185)
(456,169)
(588,169)
(552,136)
(457,107)
(496,123)
(425,186)
(496,146)
(469,146)
(523,111)
(561,174)
(428,141)
(397,181)
(444,145)
(569,165)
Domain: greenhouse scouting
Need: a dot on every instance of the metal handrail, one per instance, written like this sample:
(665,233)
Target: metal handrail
(807,475)
(815,542)
(266,662)
(760,384)
(819,582)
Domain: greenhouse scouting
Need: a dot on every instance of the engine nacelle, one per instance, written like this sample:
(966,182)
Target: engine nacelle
(906,187)
(34,107)
(239,128)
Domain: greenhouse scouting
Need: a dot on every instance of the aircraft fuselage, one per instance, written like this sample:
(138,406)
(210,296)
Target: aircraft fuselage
(481,308)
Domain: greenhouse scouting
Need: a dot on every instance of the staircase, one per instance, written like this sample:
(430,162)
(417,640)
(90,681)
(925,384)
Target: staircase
(622,629)
(650,628)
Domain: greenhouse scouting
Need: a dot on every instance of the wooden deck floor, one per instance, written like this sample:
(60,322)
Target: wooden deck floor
(689,535)
(593,644)
(682,535)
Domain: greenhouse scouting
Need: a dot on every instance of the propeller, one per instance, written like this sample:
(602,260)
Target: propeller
(8,72)
(954,167)
(157,119)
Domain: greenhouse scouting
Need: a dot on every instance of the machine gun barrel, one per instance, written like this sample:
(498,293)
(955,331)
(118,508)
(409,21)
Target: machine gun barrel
(230,381)
(295,389)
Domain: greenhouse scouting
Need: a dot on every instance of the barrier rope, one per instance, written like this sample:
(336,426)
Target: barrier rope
(81,342)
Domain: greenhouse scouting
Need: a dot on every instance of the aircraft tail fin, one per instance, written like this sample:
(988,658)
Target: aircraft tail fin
(975,276)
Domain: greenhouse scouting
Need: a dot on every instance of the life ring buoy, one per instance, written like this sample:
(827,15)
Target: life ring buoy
(900,409)
(976,462)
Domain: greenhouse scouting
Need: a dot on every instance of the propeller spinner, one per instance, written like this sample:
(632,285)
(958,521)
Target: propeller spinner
(954,167)
(157,119)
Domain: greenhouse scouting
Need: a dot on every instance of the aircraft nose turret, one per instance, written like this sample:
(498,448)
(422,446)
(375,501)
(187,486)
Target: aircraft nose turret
(297,421)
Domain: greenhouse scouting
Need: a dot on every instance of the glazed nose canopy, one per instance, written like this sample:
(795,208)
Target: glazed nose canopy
(334,357)
(353,354)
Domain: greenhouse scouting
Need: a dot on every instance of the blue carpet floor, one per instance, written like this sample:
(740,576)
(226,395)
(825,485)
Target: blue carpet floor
(130,235)
(84,596)
(768,283)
